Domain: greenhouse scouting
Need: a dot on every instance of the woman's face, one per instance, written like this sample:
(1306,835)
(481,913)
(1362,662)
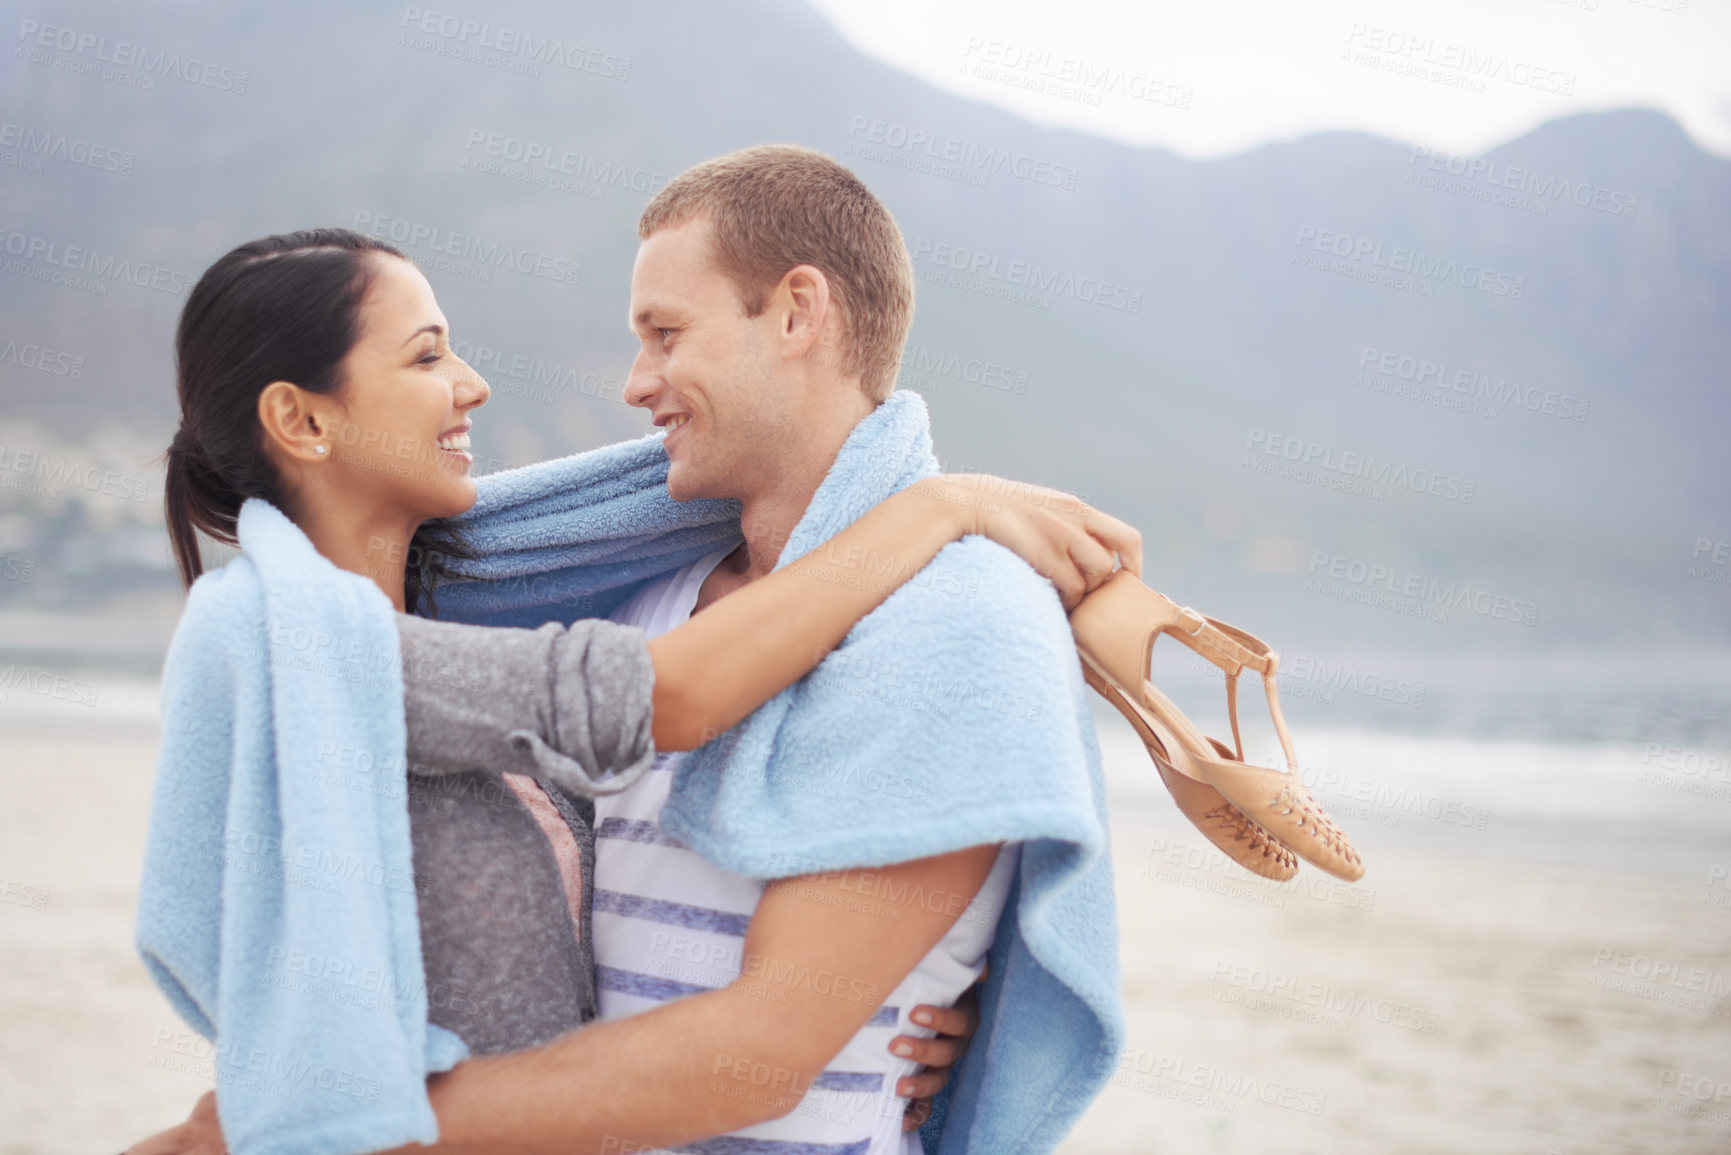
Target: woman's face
(401,423)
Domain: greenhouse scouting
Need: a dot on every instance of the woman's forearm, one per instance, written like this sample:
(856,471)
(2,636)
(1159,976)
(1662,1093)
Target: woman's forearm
(725,662)
(568,703)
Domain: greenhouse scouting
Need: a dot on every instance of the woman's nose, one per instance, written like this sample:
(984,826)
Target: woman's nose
(472,390)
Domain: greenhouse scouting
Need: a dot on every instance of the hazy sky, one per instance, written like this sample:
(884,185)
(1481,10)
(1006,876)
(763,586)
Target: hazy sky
(1214,77)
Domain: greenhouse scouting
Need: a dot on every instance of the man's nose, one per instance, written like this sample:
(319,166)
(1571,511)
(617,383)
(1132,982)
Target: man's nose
(642,385)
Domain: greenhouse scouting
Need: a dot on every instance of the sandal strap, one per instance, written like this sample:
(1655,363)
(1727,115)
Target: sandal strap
(1127,654)
(1232,713)
(1228,647)
(1279,723)
(1235,647)
(1123,598)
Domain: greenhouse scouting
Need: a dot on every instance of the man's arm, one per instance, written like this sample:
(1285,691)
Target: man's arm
(201,1133)
(821,953)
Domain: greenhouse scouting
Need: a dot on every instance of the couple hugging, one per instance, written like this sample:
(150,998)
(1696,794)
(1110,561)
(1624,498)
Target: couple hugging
(727,761)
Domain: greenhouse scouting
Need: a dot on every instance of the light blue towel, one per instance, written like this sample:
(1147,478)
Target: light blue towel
(965,680)
(277,910)
(573,537)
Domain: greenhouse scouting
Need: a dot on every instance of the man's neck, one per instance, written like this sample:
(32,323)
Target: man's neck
(768,517)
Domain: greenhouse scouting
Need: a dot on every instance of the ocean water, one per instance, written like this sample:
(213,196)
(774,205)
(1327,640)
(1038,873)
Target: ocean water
(1595,760)
(1605,802)
(1545,773)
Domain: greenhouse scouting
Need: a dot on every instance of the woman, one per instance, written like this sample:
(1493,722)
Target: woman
(323,408)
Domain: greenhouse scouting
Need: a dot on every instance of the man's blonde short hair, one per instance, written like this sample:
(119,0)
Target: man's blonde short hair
(778,205)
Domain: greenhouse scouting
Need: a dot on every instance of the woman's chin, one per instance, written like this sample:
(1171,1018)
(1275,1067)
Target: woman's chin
(455,498)
(468,493)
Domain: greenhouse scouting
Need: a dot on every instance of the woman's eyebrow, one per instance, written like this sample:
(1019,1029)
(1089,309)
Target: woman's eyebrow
(435,330)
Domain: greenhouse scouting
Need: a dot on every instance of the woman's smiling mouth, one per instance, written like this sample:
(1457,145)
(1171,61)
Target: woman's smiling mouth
(456,443)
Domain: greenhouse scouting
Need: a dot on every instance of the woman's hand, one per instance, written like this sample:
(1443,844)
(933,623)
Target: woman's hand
(201,1134)
(955,1026)
(1059,534)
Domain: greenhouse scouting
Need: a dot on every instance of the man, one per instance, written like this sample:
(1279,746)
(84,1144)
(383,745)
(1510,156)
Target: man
(771,295)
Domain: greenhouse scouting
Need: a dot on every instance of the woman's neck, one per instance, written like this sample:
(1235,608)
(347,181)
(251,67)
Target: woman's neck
(368,543)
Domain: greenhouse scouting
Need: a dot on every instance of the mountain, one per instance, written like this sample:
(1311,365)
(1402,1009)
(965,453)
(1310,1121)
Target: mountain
(1161,335)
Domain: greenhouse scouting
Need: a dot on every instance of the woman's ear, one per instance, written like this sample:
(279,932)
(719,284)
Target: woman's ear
(295,422)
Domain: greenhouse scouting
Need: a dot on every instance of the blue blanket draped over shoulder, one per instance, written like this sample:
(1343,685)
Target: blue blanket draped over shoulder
(965,680)
(277,908)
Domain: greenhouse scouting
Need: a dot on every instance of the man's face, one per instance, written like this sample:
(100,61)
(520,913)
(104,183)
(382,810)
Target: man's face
(705,370)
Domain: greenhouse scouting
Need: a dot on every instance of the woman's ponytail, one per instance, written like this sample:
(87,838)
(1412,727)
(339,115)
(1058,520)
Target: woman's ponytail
(196,499)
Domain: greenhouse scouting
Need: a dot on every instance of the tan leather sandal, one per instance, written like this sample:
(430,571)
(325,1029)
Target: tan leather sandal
(1222,823)
(1258,815)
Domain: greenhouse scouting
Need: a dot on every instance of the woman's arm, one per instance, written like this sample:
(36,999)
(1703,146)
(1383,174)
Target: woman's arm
(737,654)
(567,703)
(573,704)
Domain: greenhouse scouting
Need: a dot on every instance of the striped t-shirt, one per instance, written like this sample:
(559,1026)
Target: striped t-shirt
(667,923)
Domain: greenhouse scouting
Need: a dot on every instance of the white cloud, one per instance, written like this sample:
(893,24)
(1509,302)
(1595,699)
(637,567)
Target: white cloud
(1463,76)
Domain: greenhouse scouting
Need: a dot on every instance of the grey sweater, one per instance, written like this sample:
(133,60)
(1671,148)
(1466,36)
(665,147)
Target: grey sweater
(507,966)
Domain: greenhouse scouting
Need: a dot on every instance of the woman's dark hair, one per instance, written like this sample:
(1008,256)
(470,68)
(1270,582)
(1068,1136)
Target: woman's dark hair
(284,308)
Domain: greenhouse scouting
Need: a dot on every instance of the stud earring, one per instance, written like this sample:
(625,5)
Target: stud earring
(318,449)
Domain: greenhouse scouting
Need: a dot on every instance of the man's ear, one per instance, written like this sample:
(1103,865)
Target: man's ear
(297,422)
(804,308)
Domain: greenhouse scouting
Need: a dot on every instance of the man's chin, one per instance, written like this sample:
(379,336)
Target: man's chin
(688,480)
(683,483)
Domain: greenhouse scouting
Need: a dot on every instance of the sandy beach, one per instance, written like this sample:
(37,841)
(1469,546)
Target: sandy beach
(1509,977)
